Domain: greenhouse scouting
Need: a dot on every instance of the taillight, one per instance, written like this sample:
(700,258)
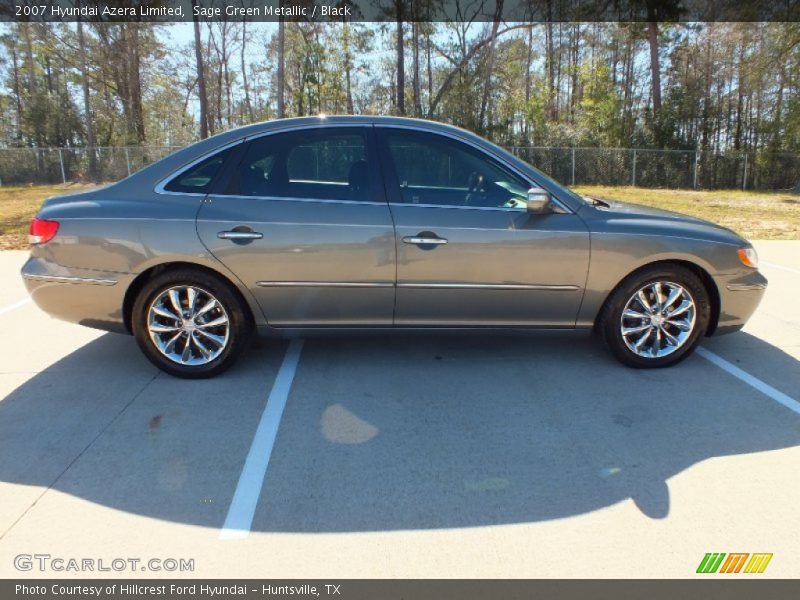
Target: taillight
(42,231)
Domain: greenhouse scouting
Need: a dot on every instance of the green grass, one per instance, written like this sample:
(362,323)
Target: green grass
(18,205)
(755,215)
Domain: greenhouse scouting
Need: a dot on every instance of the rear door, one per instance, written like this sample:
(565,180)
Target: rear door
(302,220)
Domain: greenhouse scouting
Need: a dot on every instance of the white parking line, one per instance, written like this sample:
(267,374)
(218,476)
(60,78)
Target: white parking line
(781,267)
(753,382)
(14,306)
(245,498)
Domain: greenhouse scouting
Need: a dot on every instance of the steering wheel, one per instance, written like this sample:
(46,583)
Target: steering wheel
(474,185)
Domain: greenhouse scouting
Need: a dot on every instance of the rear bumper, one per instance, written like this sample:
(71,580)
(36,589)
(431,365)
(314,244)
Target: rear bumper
(83,296)
(739,297)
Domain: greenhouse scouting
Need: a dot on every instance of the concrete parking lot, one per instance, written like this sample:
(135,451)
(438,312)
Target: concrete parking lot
(468,456)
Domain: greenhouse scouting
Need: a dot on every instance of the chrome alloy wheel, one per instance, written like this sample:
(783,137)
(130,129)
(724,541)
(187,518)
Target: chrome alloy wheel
(658,319)
(188,325)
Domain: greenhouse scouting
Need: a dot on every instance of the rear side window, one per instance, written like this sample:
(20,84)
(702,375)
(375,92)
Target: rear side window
(319,164)
(198,179)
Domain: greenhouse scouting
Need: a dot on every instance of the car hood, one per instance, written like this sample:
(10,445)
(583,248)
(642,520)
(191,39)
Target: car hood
(636,218)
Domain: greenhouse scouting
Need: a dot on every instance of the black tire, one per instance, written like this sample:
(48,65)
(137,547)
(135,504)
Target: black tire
(610,320)
(240,324)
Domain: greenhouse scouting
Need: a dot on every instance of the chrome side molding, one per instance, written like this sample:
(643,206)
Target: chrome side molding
(326,284)
(491,286)
(445,286)
(65,279)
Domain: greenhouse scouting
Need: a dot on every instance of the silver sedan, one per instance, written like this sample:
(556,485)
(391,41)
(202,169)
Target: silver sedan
(346,223)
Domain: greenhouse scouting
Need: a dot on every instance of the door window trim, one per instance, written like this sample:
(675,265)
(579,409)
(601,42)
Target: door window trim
(293,199)
(390,174)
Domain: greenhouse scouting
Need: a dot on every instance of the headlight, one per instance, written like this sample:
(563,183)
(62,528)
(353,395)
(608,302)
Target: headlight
(748,257)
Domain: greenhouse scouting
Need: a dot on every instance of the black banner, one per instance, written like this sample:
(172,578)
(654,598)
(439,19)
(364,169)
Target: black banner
(405,10)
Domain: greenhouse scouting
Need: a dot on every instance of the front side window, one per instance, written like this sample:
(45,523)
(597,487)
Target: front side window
(329,164)
(198,179)
(433,169)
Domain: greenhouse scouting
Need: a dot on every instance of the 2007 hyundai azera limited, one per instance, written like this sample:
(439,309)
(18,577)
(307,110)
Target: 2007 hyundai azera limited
(375,222)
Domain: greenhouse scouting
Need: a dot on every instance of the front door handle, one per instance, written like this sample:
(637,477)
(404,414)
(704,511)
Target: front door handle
(424,241)
(239,235)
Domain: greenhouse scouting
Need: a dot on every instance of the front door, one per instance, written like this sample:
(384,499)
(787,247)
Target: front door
(303,222)
(468,252)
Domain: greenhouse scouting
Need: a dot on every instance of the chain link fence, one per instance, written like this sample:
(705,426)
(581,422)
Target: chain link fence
(665,168)
(26,166)
(572,166)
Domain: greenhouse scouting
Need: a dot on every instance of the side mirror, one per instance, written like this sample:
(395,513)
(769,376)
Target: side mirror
(538,201)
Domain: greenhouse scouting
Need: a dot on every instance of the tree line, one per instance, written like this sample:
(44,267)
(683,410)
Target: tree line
(714,87)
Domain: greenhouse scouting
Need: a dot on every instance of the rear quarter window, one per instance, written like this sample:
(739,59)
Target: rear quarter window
(199,178)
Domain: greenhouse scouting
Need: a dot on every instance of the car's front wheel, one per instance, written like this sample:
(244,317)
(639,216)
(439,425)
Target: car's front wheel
(656,317)
(190,323)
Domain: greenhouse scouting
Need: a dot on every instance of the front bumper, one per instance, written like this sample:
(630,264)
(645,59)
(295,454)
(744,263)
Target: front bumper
(83,296)
(740,295)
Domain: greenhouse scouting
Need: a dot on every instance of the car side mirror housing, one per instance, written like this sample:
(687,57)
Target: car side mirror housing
(538,201)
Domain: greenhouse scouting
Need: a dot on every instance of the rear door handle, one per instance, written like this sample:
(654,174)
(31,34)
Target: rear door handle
(240,235)
(424,241)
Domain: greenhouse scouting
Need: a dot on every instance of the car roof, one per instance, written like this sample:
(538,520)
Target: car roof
(322,119)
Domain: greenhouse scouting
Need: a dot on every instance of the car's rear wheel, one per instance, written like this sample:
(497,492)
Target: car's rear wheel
(190,324)
(656,317)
